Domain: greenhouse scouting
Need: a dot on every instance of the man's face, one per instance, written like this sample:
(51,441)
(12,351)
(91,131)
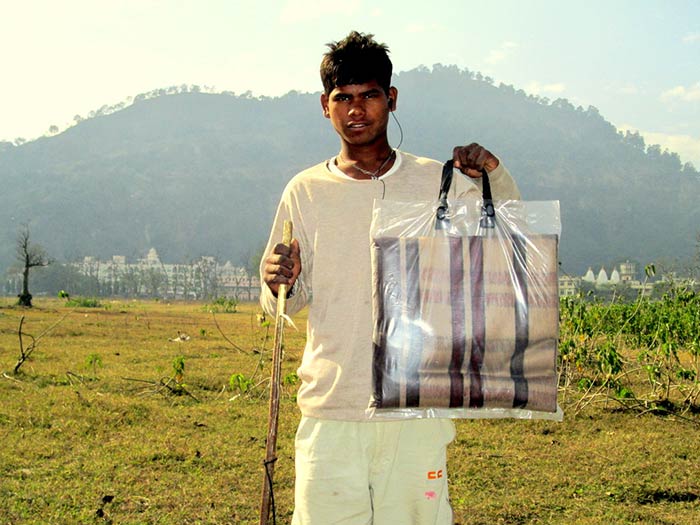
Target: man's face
(359,112)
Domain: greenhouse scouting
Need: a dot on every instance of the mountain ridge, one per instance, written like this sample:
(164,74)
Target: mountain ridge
(195,173)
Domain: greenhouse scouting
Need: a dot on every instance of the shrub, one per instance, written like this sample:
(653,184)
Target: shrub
(224,305)
(84,302)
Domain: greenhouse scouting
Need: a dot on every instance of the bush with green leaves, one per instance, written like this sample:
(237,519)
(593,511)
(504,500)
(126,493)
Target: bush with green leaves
(225,305)
(93,362)
(240,383)
(643,354)
(83,302)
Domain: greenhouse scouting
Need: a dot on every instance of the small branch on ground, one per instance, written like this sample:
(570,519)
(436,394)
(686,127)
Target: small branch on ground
(234,345)
(4,374)
(70,375)
(170,385)
(25,353)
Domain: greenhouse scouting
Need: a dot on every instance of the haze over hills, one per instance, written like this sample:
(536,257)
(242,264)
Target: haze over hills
(194,173)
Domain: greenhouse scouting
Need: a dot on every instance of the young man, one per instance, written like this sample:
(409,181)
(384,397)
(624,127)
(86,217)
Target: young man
(351,469)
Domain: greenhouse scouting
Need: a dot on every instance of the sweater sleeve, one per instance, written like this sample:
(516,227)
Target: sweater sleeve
(287,210)
(503,186)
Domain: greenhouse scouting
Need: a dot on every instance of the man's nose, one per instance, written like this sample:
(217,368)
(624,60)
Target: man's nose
(357,107)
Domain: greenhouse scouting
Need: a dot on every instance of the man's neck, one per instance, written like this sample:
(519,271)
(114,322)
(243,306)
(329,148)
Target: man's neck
(365,162)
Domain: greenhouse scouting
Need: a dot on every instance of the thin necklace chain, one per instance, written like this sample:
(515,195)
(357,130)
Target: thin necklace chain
(370,174)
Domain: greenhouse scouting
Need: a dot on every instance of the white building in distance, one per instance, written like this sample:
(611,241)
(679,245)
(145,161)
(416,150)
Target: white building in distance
(201,279)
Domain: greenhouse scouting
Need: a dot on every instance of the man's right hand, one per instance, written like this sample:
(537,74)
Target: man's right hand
(282,266)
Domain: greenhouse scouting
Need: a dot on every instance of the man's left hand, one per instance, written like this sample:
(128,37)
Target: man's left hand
(471,159)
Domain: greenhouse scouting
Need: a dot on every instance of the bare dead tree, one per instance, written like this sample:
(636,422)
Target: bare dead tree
(29,255)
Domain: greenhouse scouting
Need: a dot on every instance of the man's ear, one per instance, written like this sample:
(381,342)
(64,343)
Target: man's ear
(393,96)
(324,105)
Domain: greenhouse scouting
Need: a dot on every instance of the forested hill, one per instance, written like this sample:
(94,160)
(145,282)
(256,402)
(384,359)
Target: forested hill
(194,173)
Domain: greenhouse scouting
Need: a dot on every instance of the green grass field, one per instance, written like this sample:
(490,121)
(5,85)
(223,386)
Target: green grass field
(96,428)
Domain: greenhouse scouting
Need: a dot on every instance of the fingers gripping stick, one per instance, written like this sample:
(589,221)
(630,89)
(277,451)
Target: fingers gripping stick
(284,288)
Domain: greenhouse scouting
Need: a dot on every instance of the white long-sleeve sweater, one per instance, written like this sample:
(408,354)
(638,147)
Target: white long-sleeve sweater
(331,214)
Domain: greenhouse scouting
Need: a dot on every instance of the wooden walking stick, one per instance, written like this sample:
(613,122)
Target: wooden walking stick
(268,500)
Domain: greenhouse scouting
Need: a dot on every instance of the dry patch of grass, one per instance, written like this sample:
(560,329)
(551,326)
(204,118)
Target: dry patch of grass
(598,468)
(102,443)
(96,440)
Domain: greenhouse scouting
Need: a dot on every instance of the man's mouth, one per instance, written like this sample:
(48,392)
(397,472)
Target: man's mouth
(357,125)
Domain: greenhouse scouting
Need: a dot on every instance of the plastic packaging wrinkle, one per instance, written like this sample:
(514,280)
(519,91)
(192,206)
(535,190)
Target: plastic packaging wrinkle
(466,318)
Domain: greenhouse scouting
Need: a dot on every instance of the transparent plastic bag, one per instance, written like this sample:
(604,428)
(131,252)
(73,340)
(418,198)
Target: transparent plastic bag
(466,311)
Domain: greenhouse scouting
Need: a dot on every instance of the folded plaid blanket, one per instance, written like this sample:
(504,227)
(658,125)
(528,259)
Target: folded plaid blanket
(465,322)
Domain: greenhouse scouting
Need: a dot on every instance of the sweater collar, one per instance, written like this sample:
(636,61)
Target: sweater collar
(333,168)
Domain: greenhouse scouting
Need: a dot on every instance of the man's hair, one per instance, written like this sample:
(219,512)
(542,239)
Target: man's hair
(356,59)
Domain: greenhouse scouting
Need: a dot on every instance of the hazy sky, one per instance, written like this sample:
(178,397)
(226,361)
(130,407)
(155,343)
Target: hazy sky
(637,61)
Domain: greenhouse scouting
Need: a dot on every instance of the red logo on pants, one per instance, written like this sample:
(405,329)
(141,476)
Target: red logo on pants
(435,474)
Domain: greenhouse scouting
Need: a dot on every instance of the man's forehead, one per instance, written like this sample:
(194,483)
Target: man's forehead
(372,85)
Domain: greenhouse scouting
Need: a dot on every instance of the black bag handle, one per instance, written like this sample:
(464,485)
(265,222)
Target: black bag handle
(488,212)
